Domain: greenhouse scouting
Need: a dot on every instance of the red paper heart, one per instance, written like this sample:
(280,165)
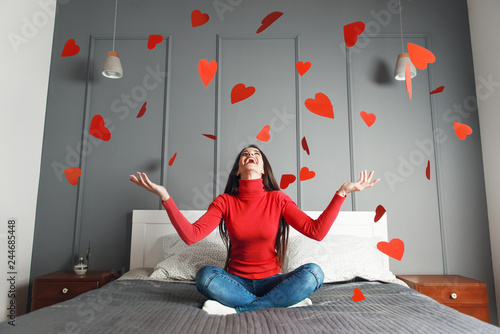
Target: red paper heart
(306,174)
(379,212)
(428,170)
(420,56)
(286,180)
(142,111)
(352,31)
(264,134)
(358,295)
(198,18)
(72,175)
(408,80)
(207,70)
(437,90)
(98,128)
(302,68)
(154,40)
(462,130)
(172,159)
(395,248)
(320,105)
(240,92)
(210,136)
(305,146)
(268,20)
(70,48)
(368,118)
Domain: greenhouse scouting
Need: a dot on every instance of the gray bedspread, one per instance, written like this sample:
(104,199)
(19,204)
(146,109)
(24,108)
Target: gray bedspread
(139,306)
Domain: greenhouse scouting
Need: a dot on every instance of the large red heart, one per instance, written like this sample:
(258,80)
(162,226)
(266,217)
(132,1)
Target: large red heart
(369,118)
(320,105)
(352,31)
(142,111)
(98,128)
(70,48)
(437,90)
(286,180)
(379,212)
(172,159)
(408,80)
(428,170)
(394,248)
(72,175)
(268,20)
(240,92)
(305,146)
(358,295)
(302,68)
(154,40)
(207,70)
(306,174)
(264,134)
(420,56)
(198,18)
(462,130)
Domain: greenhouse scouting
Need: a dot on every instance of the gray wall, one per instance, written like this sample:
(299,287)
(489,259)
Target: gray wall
(442,221)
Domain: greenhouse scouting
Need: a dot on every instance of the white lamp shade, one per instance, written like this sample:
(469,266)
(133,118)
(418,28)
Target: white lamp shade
(112,67)
(399,70)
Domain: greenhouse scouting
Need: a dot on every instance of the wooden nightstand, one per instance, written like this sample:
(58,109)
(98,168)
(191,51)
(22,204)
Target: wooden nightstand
(464,294)
(59,286)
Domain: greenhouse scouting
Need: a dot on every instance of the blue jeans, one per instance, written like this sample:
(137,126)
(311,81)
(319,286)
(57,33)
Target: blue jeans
(245,294)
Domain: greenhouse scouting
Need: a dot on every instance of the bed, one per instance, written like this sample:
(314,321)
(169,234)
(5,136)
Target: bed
(157,295)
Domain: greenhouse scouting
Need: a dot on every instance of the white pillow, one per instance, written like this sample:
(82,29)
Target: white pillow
(341,257)
(182,262)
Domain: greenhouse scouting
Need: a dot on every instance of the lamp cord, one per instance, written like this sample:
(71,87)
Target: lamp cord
(401,25)
(114,28)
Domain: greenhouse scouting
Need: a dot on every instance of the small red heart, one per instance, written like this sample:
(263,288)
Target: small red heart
(70,48)
(172,159)
(268,20)
(358,295)
(428,170)
(207,70)
(352,31)
(154,40)
(395,248)
(72,175)
(305,146)
(210,136)
(142,111)
(98,128)
(306,174)
(368,118)
(198,18)
(286,180)
(437,90)
(420,56)
(302,68)
(408,80)
(264,134)
(462,130)
(320,105)
(379,212)
(240,92)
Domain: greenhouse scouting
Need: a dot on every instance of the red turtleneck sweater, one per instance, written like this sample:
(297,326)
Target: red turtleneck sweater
(252,218)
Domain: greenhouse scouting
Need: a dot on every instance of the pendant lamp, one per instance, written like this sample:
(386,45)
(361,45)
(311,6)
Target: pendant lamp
(112,67)
(403,57)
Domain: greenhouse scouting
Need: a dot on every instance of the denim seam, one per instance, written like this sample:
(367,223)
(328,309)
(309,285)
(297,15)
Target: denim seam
(215,274)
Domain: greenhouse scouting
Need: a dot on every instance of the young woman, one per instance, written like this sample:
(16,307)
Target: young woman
(253,216)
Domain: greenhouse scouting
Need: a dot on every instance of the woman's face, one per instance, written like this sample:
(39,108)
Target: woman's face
(251,164)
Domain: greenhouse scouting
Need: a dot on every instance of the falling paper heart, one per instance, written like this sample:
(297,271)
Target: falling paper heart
(462,130)
(379,212)
(437,90)
(369,118)
(210,136)
(142,111)
(428,170)
(154,40)
(286,180)
(408,80)
(420,56)
(302,68)
(72,175)
(268,20)
(98,128)
(358,295)
(172,159)
(306,174)
(305,146)
(70,48)
(240,92)
(320,105)
(207,70)
(394,248)
(198,18)
(264,134)
(352,31)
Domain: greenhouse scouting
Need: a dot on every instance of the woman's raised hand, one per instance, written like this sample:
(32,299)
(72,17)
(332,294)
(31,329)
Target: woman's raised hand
(363,182)
(143,181)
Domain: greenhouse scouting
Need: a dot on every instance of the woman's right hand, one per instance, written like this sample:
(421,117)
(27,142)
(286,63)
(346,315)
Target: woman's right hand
(143,181)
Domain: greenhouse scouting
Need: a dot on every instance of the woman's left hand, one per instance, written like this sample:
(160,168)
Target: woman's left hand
(363,182)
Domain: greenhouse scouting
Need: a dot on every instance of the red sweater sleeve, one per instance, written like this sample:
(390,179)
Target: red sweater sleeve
(192,233)
(315,229)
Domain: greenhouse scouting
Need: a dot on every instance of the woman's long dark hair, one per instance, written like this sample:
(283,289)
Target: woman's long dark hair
(270,184)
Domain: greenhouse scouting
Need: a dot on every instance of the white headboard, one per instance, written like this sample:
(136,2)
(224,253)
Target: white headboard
(149,226)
